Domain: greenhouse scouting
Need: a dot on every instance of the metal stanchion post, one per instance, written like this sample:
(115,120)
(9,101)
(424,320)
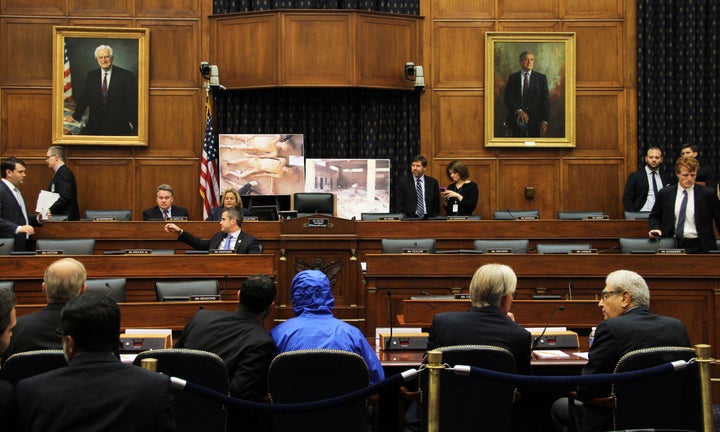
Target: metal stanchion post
(702,352)
(434,366)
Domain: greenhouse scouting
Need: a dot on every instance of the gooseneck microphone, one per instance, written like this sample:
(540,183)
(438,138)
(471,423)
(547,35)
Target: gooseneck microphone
(389,341)
(512,216)
(109,289)
(547,324)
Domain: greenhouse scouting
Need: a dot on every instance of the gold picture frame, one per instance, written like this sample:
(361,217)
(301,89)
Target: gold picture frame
(115,107)
(551,108)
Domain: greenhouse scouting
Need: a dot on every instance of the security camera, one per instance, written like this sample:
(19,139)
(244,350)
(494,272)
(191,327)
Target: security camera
(214,76)
(410,71)
(205,70)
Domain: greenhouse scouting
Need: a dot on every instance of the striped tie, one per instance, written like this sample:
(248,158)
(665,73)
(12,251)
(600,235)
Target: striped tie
(420,208)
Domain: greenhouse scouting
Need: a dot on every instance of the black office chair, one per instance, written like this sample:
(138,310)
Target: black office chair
(578,215)
(310,203)
(636,215)
(6,245)
(396,246)
(666,402)
(30,363)
(7,285)
(468,403)
(311,375)
(563,248)
(83,246)
(118,215)
(516,246)
(194,413)
(515,214)
(110,287)
(645,245)
(182,290)
(381,216)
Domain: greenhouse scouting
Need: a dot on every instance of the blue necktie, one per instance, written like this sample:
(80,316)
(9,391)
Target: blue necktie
(680,230)
(228,239)
(420,208)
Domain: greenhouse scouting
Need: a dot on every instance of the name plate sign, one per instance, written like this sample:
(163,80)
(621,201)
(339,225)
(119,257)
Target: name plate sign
(671,251)
(221,251)
(49,252)
(204,297)
(582,251)
(457,218)
(414,251)
(524,218)
(177,218)
(499,251)
(597,217)
(138,251)
(103,218)
(318,223)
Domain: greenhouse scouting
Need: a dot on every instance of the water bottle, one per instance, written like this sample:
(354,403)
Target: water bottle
(592,336)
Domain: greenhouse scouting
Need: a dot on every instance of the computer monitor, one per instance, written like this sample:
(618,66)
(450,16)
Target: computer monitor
(265,213)
(314,203)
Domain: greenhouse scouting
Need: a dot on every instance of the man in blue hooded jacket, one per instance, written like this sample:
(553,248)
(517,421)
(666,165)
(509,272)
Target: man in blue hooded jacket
(314,325)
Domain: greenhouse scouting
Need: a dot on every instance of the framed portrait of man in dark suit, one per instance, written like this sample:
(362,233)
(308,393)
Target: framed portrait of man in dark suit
(530,89)
(100,86)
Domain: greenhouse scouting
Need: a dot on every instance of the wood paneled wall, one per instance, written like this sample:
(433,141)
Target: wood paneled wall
(590,176)
(109,177)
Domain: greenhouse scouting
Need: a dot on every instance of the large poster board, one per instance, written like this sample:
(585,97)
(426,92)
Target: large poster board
(359,185)
(262,164)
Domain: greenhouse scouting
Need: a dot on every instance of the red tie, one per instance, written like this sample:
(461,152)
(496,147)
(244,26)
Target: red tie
(104,87)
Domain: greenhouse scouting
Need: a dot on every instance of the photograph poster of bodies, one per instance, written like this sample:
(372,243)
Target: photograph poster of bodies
(274,164)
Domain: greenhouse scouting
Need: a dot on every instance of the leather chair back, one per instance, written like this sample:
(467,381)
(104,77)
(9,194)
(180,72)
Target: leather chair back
(30,363)
(311,375)
(182,290)
(80,246)
(111,287)
(193,413)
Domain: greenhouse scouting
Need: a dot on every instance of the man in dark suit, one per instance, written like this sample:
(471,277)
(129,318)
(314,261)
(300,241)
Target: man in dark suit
(245,346)
(406,192)
(527,99)
(686,211)
(63,184)
(14,219)
(230,236)
(642,185)
(629,325)
(96,391)
(64,280)
(165,209)
(488,322)
(111,92)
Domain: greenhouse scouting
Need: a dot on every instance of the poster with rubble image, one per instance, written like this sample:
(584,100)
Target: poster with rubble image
(262,164)
(359,185)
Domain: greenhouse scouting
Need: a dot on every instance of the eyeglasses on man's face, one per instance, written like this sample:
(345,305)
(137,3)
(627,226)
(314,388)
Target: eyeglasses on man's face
(604,295)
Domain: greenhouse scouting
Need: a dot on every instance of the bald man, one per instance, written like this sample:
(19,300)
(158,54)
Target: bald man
(64,280)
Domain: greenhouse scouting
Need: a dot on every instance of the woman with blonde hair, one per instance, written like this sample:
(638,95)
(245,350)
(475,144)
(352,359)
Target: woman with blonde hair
(230,198)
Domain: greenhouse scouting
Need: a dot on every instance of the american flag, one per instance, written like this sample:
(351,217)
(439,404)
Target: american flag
(209,187)
(67,78)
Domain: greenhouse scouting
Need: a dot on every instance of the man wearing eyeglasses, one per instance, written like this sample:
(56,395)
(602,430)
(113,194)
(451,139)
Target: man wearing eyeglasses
(629,325)
(63,184)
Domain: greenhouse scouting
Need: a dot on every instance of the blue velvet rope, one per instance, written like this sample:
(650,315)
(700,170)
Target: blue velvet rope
(396,380)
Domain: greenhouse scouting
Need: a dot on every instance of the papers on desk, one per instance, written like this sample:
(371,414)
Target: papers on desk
(550,354)
(582,354)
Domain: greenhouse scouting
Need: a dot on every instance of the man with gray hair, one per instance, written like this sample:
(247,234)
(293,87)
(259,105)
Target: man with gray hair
(111,95)
(629,325)
(64,280)
(164,210)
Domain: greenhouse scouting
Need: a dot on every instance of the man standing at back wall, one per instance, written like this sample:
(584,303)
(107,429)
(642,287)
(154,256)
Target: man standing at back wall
(15,221)
(643,185)
(63,184)
(418,195)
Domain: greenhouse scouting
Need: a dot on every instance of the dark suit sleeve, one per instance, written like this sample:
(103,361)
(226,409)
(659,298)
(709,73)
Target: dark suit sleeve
(432,196)
(148,214)
(249,379)
(195,242)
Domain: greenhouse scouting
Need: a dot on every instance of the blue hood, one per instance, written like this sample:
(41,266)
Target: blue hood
(310,292)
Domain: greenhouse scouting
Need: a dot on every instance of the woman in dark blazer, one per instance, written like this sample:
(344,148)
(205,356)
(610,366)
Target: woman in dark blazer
(230,198)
